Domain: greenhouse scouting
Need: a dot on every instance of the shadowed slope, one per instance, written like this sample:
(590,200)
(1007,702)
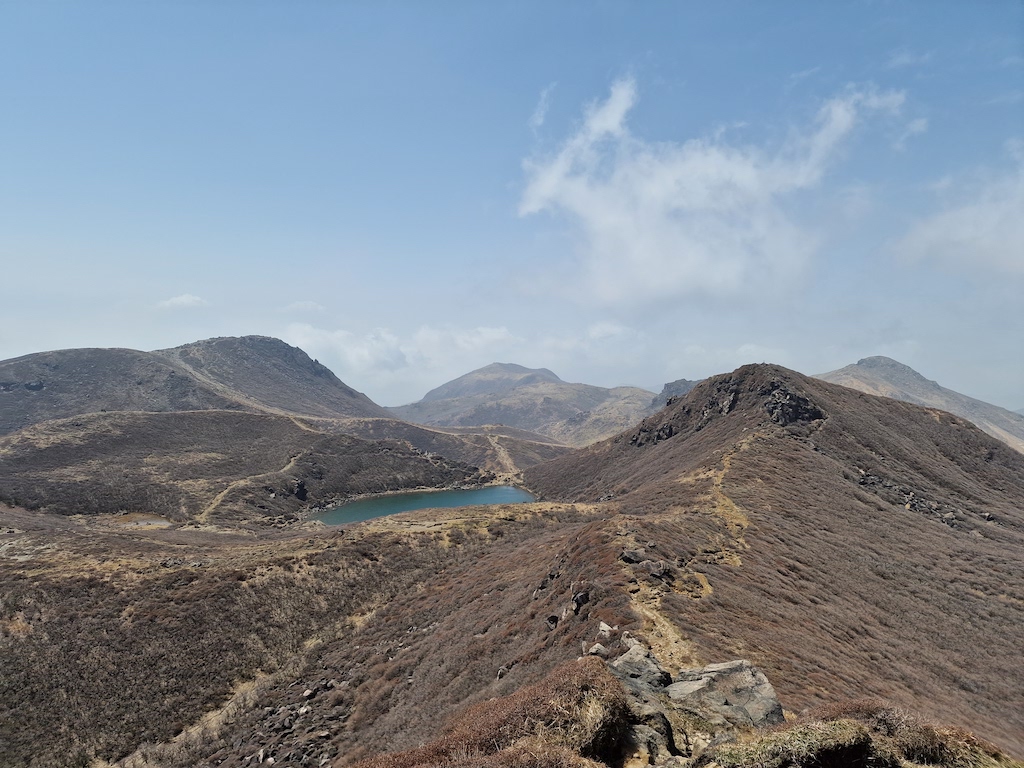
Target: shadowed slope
(205,466)
(889,378)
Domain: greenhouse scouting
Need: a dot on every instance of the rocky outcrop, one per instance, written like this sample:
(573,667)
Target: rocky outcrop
(734,692)
(675,719)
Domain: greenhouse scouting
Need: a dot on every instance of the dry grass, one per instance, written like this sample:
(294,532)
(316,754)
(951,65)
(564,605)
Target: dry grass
(867,733)
(578,711)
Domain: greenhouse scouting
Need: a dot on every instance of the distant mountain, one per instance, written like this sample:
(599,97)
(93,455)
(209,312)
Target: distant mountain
(533,399)
(226,427)
(676,388)
(251,373)
(269,375)
(889,378)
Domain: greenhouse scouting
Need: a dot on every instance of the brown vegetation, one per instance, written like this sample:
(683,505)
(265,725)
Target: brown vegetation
(849,546)
(206,466)
(864,547)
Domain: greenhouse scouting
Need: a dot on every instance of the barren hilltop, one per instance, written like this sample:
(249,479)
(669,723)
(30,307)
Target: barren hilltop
(770,551)
(533,399)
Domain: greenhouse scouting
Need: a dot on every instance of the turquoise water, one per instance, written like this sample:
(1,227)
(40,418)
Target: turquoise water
(365,509)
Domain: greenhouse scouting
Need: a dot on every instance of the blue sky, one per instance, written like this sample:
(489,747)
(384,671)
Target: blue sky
(626,193)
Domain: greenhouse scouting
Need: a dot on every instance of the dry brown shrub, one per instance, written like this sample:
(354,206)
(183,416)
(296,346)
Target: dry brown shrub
(578,711)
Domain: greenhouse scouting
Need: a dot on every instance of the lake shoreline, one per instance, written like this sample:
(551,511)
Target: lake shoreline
(449,498)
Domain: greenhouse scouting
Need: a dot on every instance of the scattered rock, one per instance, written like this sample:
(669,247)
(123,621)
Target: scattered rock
(579,599)
(633,556)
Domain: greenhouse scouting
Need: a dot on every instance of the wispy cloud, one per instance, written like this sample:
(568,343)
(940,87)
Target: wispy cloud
(905,58)
(540,112)
(798,77)
(980,230)
(376,350)
(1007,98)
(303,307)
(399,368)
(658,219)
(913,128)
(184,301)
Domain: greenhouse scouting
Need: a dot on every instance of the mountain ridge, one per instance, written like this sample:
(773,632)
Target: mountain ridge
(881,375)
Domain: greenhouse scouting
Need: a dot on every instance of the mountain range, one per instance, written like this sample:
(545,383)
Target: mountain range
(860,553)
(230,428)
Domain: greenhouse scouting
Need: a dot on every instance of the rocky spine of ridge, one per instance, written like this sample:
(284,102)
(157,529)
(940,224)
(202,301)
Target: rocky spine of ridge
(672,389)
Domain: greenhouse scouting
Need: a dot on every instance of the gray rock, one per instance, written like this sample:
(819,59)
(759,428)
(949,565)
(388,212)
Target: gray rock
(598,650)
(735,690)
(638,666)
(633,556)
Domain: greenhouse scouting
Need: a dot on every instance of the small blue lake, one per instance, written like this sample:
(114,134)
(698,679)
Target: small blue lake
(365,509)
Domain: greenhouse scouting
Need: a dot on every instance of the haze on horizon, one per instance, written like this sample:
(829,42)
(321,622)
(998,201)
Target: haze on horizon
(622,194)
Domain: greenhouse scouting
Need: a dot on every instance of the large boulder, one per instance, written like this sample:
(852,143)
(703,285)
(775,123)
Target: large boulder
(640,669)
(735,690)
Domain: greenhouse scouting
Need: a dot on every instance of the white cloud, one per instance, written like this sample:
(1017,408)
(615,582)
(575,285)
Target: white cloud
(540,112)
(396,369)
(377,350)
(184,301)
(659,219)
(797,77)
(983,229)
(1007,98)
(904,58)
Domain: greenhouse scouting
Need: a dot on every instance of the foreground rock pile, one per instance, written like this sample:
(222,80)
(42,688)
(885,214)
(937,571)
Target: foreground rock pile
(675,720)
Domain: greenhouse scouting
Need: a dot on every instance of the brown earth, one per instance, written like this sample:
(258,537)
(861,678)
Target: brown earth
(864,547)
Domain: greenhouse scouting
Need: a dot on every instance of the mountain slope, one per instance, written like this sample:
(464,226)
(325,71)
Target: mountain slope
(889,378)
(168,432)
(865,547)
(205,466)
(532,399)
(55,385)
(268,374)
